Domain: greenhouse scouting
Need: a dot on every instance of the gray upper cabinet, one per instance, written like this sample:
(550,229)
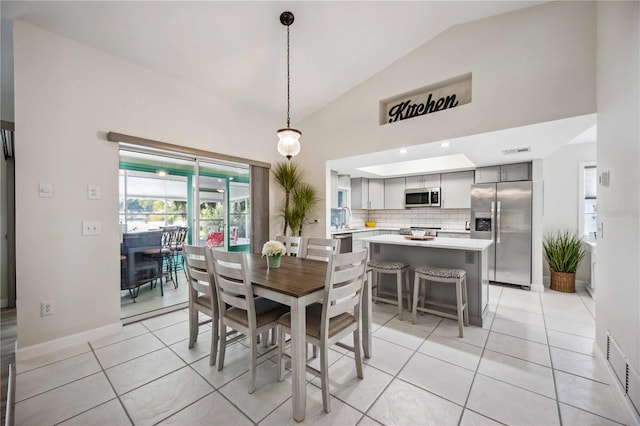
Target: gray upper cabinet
(455,190)
(515,172)
(334,189)
(359,193)
(423,181)
(488,174)
(344,182)
(367,193)
(376,194)
(504,173)
(394,193)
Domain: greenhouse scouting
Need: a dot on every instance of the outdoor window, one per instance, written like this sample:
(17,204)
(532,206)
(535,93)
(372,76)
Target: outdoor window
(588,202)
(152,201)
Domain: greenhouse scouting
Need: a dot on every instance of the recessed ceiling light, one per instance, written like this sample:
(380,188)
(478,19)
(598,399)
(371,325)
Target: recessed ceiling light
(445,144)
(162,173)
(403,151)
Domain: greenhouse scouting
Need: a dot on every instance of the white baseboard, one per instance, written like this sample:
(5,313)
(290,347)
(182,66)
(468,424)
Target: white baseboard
(32,351)
(4,303)
(537,288)
(581,284)
(632,416)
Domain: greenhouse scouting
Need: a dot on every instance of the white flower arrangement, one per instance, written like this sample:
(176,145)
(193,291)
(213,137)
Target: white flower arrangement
(273,248)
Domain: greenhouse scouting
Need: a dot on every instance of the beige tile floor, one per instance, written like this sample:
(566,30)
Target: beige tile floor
(532,363)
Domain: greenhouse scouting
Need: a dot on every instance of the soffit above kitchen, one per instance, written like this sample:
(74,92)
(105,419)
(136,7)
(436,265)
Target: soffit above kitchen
(235,49)
(466,153)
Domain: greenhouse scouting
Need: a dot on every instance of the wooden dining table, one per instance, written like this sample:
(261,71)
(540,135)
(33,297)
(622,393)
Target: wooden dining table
(297,283)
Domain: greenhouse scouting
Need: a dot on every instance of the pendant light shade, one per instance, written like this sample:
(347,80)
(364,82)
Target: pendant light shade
(289,144)
(289,138)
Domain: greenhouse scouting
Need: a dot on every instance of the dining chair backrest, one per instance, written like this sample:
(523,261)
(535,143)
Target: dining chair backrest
(343,286)
(180,237)
(233,286)
(292,244)
(321,248)
(202,295)
(199,272)
(168,235)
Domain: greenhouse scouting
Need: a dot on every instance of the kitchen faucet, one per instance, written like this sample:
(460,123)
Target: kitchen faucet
(346,223)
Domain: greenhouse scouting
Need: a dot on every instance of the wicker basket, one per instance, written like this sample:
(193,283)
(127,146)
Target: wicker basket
(563,281)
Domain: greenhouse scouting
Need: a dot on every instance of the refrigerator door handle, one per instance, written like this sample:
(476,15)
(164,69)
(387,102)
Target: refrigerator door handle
(498,224)
(493,209)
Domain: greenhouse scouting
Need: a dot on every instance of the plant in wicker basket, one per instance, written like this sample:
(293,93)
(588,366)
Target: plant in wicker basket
(564,252)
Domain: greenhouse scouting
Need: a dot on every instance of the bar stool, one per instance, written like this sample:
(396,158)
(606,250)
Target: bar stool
(399,269)
(443,275)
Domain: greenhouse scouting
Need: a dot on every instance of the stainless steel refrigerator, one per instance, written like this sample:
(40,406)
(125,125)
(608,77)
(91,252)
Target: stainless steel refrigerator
(502,212)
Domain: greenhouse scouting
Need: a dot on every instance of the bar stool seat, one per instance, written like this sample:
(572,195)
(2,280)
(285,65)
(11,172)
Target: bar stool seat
(442,275)
(399,269)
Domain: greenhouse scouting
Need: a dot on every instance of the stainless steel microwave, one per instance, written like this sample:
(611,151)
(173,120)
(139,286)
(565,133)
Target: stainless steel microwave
(422,197)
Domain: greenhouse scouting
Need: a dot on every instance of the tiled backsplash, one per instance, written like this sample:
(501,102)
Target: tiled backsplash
(428,216)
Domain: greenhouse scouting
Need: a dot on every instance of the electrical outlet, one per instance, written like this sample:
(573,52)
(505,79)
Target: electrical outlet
(45,190)
(469,257)
(46,308)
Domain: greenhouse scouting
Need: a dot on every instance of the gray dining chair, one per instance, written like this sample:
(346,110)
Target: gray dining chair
(202,296)
(239,309)
(333,319)
(292,244)
(321,248)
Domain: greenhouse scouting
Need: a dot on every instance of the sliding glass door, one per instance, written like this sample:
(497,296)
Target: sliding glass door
(169,191)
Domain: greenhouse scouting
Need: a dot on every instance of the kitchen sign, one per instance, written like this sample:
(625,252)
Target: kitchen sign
(445,95)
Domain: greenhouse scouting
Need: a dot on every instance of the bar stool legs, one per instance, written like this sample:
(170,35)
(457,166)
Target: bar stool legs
(400,270)
(423,275)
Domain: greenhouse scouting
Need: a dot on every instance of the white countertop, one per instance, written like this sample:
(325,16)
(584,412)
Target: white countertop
(438,242)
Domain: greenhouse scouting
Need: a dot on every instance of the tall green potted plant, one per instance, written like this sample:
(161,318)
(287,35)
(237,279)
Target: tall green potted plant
(287,175)
(304,199)
(564,252)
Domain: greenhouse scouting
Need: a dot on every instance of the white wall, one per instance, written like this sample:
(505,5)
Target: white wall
(618,268)
(528,66)
(67,97)
(561,171)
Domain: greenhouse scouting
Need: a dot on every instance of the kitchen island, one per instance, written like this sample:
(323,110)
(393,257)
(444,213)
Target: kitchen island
(467,254)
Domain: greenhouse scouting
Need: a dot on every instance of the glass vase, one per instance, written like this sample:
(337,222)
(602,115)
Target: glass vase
(273,262)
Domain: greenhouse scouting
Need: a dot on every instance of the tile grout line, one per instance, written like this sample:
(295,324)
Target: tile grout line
(104,372)
(214,389)
(553,370)
(577,375)
(475,374)
(395,376)
(217,389)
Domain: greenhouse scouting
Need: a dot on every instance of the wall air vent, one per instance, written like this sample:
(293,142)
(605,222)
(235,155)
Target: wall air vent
(516,150)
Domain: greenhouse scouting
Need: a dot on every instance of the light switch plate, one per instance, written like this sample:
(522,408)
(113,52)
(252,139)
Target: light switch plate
(91,227)
(46,190)
(93,192)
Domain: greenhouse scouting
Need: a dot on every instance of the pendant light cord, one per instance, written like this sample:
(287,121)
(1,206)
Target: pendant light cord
(288,82)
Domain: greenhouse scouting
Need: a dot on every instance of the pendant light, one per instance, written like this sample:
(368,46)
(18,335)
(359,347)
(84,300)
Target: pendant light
(288,143)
